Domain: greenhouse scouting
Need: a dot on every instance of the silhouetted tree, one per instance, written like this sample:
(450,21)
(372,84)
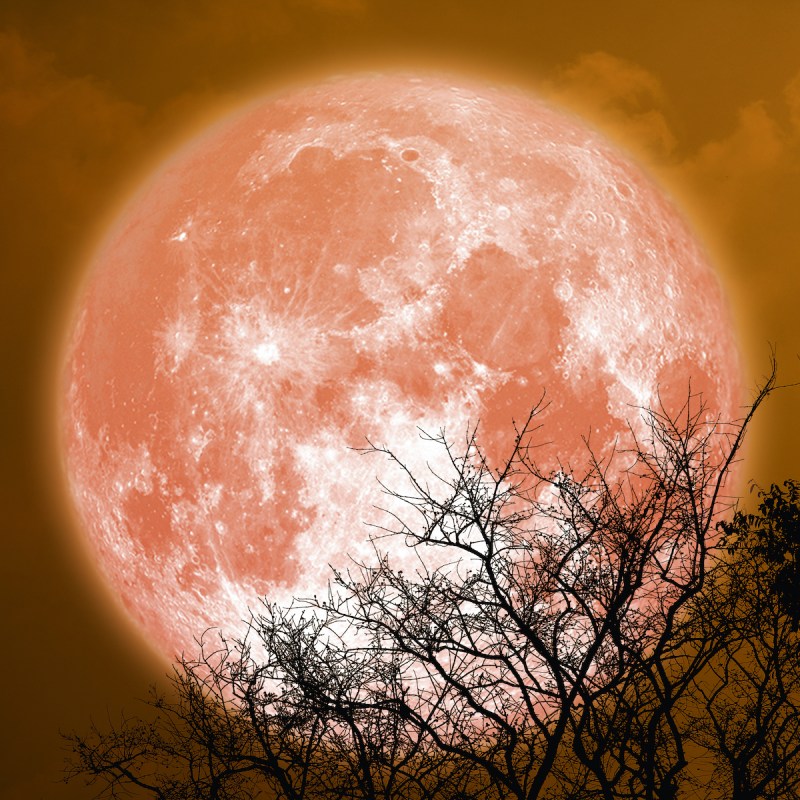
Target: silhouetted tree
(774,535)
(546,645)
(557,592)
(747,704)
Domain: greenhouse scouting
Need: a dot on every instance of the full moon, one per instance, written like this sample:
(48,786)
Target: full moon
(360,259)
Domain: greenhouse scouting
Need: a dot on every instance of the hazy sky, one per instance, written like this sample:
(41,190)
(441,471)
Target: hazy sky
(92,95)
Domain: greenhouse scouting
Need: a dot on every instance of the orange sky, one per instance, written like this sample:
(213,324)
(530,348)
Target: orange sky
(92,95)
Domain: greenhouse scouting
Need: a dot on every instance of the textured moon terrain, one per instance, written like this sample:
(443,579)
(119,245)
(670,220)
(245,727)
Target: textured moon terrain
(362,258)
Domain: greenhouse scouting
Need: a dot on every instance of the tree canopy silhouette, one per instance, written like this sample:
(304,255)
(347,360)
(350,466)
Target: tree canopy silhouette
(566,634)
(773,534)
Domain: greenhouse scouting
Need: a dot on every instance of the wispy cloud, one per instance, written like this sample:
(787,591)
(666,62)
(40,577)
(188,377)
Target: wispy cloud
(622,97)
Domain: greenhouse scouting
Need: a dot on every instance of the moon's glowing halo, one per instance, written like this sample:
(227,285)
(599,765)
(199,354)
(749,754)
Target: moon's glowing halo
(240,329)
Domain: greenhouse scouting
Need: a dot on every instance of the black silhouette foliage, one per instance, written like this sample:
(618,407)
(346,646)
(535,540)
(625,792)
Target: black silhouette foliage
(774,535)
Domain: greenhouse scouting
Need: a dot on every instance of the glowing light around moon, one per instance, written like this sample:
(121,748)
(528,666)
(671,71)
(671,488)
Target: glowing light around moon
(359,258)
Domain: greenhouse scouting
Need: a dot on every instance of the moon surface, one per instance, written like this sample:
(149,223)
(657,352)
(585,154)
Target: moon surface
(361,258)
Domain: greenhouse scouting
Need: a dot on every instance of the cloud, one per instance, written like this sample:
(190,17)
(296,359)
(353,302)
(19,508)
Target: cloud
(756,146)
(791,95)
(747,181)
(622,98)
(61,137)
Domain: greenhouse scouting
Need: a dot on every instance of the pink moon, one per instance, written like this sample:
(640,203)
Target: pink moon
(361,258)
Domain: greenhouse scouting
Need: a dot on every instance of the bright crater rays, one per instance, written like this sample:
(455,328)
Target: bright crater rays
(360,259)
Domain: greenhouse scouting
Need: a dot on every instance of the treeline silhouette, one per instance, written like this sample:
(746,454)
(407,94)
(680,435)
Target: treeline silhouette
(624,632)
